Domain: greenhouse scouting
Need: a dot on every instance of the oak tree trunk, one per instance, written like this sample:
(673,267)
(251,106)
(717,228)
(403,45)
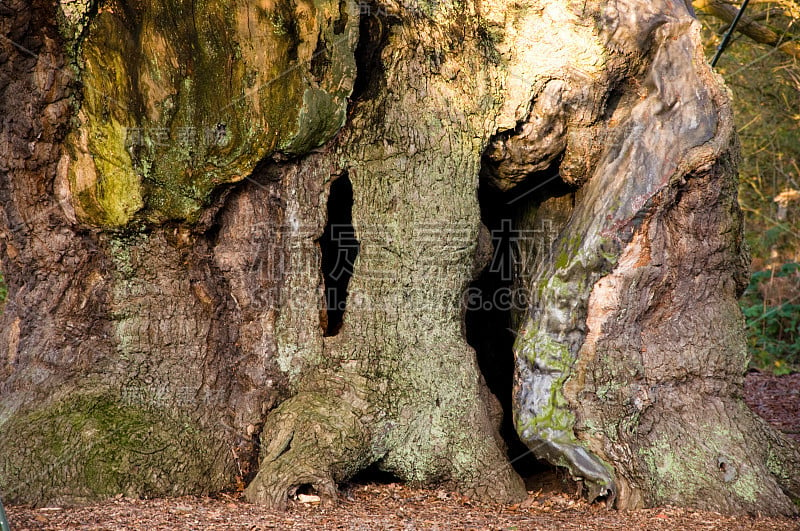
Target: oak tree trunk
(238,238)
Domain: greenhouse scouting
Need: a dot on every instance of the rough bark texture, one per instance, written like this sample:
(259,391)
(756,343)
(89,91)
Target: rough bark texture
(411,383)
(122,372)
(653,364)
(166,330)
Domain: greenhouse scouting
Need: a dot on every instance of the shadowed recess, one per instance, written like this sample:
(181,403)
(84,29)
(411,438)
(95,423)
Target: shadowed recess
(339,248)
(497,297)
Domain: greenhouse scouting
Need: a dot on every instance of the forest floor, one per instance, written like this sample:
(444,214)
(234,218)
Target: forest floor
(552,502)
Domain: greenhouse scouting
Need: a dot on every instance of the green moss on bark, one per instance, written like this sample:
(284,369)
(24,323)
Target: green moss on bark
(95,446)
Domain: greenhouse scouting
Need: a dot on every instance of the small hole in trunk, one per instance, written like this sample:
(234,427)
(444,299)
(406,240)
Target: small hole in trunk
(339,248)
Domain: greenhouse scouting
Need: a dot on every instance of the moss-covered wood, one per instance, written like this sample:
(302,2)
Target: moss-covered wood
(102,445)
(179,97)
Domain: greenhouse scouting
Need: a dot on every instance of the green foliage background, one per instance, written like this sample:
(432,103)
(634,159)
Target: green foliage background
(773,322)
(765,84)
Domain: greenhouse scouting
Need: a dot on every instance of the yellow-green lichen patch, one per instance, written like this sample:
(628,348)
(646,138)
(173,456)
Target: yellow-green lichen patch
(666,468)
(685,470)
(540,348)
(105,187)
(553,415)
(73,16)
(180,97)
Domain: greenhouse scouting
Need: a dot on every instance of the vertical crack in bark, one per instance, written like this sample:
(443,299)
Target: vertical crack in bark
(339,248)
(373,37)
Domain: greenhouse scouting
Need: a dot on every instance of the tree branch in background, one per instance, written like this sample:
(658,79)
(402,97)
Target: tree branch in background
(748,26)
(760,16)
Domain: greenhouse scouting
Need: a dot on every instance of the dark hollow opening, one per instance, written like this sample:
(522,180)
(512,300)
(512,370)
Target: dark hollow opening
(497,301)
(339,248)
(374,475)
(306,489)
(320,60)
(373,36)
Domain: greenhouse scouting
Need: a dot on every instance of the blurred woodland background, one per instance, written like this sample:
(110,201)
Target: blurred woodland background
(762,71)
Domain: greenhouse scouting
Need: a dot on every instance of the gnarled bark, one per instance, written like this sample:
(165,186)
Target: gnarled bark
(627,324)
(167,317)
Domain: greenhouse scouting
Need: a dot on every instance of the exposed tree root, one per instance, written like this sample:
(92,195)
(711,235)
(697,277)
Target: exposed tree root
(313,439)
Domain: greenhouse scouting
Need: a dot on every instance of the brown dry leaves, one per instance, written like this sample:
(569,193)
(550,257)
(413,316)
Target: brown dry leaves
(373,506)
(776,399)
